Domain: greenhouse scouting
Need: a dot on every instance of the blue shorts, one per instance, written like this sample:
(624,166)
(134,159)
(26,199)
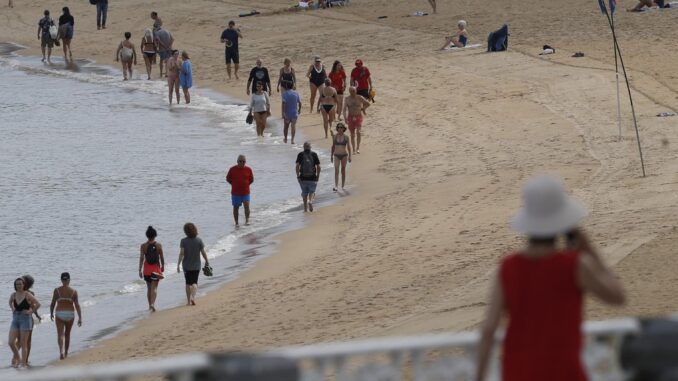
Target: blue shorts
(21,322)
(238,200)
(291,118)
(165,54)
(307,187)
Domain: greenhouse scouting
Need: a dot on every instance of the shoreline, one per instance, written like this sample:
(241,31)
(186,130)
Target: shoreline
(448,144)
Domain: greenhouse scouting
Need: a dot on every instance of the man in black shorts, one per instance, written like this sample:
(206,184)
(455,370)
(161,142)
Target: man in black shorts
(230,38)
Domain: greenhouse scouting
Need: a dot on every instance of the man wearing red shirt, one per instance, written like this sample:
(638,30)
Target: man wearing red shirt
(360,78)
(240,177)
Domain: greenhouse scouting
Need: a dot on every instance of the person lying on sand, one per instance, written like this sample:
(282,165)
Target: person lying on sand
(460,39)
(641,4)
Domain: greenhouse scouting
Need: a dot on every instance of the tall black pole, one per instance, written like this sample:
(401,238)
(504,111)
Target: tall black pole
(628,87)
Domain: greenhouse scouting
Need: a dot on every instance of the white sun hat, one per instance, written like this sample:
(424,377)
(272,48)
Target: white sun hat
(547,209)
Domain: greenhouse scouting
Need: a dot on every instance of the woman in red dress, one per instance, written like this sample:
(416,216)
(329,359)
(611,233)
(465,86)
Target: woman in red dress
(541,290)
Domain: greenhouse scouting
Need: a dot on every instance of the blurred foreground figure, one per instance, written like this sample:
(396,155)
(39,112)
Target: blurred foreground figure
(541,287)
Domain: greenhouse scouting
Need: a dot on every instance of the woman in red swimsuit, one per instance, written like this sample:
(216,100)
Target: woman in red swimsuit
(338,78)
(541,290)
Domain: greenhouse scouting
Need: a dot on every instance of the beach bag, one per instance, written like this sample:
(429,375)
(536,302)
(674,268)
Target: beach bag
(250,118)
(307,165)
(53,32)
(152,257)
(497,41)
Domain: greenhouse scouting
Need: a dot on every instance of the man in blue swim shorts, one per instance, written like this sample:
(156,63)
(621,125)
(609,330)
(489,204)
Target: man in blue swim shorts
(308,171)
(240,177)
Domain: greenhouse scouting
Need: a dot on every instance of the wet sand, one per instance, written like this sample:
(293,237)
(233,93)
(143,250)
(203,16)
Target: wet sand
(452,137)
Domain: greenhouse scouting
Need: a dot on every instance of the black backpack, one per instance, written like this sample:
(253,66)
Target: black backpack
(307,165)
(152,256)
(497,41)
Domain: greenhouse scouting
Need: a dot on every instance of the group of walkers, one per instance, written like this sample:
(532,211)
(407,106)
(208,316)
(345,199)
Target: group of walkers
(157,46)
(25,305)
(51,34)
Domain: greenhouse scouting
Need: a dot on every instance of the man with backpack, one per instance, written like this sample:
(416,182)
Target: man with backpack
(44,35)
(308,171)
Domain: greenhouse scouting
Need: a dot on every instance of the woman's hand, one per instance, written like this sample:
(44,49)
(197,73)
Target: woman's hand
(51,317)
(79,322)
(28,312)
(178,269)
(141,274)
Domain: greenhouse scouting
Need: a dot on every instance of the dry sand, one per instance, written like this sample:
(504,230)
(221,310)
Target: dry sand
(447,146)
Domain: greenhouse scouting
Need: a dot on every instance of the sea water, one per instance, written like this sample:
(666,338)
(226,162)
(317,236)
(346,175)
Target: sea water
(88,161)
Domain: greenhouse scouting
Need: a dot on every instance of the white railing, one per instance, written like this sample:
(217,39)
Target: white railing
(440,357)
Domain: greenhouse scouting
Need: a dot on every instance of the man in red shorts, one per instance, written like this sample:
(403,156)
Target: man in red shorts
(354,109)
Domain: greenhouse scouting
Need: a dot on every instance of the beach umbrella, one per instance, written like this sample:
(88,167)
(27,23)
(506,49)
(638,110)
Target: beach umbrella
(618,59)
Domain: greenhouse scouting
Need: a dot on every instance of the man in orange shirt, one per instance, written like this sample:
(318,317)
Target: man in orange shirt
(240,177)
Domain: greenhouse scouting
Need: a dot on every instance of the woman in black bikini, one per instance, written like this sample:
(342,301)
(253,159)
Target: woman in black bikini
(23,305)
(341,153)
(149,49)
(316,75)
(327,104)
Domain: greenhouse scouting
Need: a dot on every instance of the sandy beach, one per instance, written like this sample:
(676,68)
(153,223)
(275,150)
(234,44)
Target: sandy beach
(445,150)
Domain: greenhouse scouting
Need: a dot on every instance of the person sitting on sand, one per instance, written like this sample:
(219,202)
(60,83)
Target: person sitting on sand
(189,258)
(460,39)
(126,54)
(541,288)
(642,4)
(151,265)
(62,311)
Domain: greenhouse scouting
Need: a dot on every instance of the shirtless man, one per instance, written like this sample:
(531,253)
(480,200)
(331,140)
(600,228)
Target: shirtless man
(354,109)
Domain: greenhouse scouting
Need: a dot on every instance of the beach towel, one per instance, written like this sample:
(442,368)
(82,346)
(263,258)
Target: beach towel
(453,48)
(497,41)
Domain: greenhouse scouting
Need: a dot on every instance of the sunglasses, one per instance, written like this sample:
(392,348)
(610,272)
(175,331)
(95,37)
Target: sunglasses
(241,161)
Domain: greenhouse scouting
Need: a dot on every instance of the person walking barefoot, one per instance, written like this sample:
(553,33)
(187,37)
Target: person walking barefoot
(354,109)
(308,172)
(341,153)
(66,26)
(46,41)
(260,107)
(149,49)
(29,281)
(338,78)
(127,54)
(230,37)
(291,106)
(151,265)
(327,105)
(62,312)
(173,68)
(240,177)
(433,5)
(316,76)
(189,258)
(186,75)
(23,304)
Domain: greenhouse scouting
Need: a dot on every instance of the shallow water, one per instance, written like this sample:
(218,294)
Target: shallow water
(88,161)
